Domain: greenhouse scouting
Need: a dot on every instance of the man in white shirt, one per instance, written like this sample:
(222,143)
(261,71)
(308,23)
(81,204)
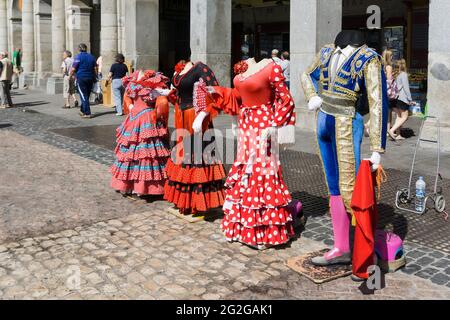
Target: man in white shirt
(6,74)
(275,57)
(69,82)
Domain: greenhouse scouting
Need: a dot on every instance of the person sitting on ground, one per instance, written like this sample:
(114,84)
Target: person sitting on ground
(404,100)
(118,71)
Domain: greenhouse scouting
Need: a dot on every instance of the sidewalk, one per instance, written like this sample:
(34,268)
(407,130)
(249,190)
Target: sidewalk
(58,218)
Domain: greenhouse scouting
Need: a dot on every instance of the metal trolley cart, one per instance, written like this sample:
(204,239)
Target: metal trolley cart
(406,196)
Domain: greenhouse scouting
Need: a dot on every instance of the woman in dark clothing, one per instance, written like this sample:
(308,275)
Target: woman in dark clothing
(118,71)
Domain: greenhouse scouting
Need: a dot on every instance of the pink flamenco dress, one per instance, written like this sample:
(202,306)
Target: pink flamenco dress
(142,140)
(258,203)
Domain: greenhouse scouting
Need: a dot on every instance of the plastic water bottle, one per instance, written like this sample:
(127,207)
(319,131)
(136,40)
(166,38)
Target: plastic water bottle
(421,187)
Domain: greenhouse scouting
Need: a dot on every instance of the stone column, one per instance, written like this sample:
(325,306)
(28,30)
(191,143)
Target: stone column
(211,36)
(3,26)
(55,84)
(15,32)
(439,67)
(109,34)
(78,25)
(314,23)
(142,41)
(121,9)
(43,42)
(28,36)
(58,34)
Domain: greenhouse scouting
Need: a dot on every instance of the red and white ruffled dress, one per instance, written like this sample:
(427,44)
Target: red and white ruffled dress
(257,198)
(142,140)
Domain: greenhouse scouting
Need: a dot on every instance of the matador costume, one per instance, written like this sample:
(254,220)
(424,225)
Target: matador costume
(357,87)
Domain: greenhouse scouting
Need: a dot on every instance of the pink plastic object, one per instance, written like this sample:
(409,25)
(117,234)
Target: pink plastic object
(296,208)
(388,246)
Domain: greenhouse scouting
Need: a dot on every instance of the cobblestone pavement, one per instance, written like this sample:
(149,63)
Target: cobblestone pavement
(64,234)
(150,254)
(44,191)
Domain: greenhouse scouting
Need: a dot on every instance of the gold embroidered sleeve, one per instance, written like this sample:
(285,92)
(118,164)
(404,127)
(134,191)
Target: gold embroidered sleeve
(307,79)
(374,86)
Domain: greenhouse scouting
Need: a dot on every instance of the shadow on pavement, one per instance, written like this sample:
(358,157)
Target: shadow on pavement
(31,104)
(407,133)
(101,114)
(5,125)
(390,220)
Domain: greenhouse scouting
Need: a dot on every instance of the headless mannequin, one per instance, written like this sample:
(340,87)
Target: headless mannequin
(189,66)
(254,67)
(140,76)
(346,43)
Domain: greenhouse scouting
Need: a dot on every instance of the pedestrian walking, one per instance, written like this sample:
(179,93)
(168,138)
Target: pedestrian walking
(17,67)
(118,71)
(6,74)
(69,81)
(85,69)
(275,54)
(286,66)
(97,89)
(404,100)
(388,63)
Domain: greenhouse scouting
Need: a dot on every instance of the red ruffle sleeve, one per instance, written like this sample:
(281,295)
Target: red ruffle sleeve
(283,101)
(224,99)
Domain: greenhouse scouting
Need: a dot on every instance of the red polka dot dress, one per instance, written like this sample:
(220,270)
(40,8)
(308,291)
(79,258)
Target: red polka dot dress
(257,198)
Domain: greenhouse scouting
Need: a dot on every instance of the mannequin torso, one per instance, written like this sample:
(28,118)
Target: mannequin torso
(254,67)
(187,68)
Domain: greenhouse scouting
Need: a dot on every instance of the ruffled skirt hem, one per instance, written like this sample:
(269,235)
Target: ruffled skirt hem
(138,187)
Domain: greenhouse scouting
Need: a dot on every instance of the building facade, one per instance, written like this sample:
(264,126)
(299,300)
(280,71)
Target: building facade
(220,32)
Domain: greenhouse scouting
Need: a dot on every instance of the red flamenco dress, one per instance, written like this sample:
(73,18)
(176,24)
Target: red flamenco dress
(142,140)
(195,184)
(257,209)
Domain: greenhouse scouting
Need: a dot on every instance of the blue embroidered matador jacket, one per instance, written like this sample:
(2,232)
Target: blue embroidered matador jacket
(360,82)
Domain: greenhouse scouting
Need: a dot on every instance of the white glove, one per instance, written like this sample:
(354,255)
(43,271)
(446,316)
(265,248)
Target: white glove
(131,106)
(163,92)
(315,103)
(198,122)
(375,160)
